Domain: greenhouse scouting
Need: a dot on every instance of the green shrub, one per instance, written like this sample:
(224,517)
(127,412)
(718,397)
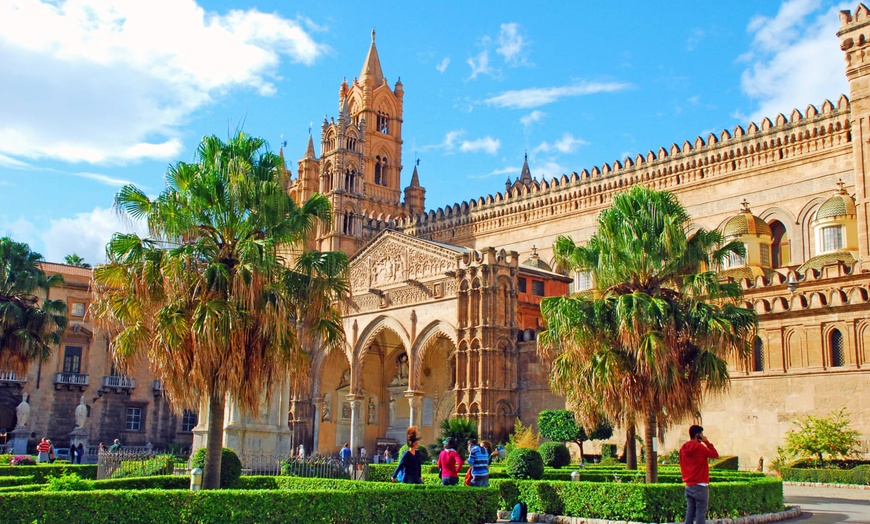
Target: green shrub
(231,466)
(5,459)
(156,465)
(857,475)
(555,454)
(727,462)
(608,451)
(67,482)
(369,502)
(523,463)
(638,502)
(17,481)
(43,471)
(610,461)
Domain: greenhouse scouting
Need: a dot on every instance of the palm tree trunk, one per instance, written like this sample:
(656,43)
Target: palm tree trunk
(580,443)
(631,447)
(211,478)
(652,471)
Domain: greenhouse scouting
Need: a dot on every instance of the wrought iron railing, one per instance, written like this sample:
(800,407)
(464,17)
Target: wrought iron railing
(76,379)
(134,462)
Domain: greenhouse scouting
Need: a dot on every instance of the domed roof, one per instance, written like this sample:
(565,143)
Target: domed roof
(536,262)
(745,223)
(819,261)
(841,204)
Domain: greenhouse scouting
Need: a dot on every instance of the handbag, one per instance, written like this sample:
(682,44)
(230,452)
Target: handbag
(468,477)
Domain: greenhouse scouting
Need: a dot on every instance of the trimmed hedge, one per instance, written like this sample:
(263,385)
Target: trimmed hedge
(728,462)
(856,475)
(411,505)
(638,502)
(40,472)
(16,481)
(555,454)
(231,466)
(525,463)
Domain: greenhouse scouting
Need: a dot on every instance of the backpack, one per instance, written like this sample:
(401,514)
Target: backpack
(519,513)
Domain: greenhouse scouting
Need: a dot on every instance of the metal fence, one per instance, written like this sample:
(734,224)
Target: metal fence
(130,463)
(326,467)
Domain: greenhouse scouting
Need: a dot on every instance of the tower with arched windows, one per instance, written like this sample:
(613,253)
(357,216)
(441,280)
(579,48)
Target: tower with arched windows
(360,165)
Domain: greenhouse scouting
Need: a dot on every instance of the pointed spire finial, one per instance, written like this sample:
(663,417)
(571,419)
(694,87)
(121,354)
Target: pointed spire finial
(373,35)
(745,205)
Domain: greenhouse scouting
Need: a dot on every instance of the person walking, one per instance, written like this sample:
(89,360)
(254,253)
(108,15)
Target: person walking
(478,464)
(696,474)
(42,450)
(449,462)
(410,465)
(80,453)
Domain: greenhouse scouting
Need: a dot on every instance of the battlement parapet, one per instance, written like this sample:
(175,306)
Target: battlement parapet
(783,140)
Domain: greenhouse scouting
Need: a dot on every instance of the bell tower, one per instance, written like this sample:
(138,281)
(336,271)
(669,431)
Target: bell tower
(361,159)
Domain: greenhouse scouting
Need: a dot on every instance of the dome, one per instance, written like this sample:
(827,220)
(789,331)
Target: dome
(745,223)
(819,261)
(536,262)
(841,204)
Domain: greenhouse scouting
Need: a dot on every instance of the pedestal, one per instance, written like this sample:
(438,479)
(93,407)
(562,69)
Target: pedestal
(19,440)
(79,435)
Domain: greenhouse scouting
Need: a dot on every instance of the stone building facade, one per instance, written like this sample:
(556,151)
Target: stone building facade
(442,315)
(127,405)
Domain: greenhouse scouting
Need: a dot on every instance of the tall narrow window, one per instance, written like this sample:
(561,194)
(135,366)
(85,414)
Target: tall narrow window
(838,353)
(72,359)
(832,238)
(521,285)
(189,420)
(583,281)
(538,288)
(347,227)
(779,250)
(134,419)
(765,255)
(735,260)
(757,354)
(379,171)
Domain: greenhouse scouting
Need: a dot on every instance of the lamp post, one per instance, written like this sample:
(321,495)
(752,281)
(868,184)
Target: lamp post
(195,479)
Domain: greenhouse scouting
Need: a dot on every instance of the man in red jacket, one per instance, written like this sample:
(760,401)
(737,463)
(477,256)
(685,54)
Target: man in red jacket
(696,474)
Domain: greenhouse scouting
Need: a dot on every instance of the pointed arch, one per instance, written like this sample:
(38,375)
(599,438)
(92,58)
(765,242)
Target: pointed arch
(425,340)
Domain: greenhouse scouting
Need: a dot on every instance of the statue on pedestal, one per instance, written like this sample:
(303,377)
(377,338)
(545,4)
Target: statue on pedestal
(81,413)
(392,410)
(23,412)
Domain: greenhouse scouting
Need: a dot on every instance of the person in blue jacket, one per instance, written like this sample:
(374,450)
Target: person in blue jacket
(411,462)
(478,464)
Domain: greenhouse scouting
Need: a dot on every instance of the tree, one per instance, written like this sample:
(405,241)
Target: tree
(460,428)
(29,329)
(74,259)
(217,294)
(559,425)
(655,336)
(820,436)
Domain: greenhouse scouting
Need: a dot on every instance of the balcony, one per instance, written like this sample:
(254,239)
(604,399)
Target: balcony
(71,380)
(120,384)
(11,378)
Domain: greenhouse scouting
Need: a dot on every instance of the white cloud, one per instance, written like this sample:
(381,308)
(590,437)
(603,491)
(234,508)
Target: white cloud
(103,179)
(511,44)
(442,66)
(110,81)
(6,161)
(795,59)
(539,96)
(86,234)
(486,144)
(480,65)
(567,144)
(531,118)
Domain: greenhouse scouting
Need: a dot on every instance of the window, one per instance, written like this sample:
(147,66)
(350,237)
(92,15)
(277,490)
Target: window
(832,238)
(72,359)
(189,419)
(583,281)
(347,226)
(538,288)
(757,354)
(838,354)
(134,419)
(383,123)
(765,255)
(735,260)
(77,309)
(521,285)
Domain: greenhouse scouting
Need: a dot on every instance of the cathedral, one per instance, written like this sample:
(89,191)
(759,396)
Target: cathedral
(443,311)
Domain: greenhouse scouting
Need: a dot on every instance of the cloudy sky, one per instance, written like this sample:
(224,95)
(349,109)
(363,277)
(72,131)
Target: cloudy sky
(96,94)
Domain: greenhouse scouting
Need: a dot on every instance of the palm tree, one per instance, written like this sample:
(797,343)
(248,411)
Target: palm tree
(216,295)
(656,335)
(74,259)
(29,329)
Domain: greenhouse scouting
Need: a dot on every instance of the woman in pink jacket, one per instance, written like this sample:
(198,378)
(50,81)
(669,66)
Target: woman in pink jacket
(449,462)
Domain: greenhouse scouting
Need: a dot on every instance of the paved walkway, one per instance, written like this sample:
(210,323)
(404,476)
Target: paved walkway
(829,505)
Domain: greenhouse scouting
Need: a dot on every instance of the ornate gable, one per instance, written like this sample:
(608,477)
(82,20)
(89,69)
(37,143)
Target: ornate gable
(393,259)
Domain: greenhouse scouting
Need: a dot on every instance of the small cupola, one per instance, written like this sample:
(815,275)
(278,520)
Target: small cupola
(835,229)
(756,237)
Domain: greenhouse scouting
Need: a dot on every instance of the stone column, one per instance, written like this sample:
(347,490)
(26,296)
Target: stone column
(354,420)
(414,402)
(316,426)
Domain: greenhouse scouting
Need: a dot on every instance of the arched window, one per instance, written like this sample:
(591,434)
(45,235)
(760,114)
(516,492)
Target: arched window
(383,123)
(347,227)
(757,354)
(349,176)
(838,353)
(779,249)
(326,180)
(379,171)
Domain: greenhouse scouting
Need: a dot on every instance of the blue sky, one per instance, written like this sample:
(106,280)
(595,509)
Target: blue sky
(98,93)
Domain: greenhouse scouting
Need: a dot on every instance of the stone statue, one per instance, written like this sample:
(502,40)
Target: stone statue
(325,415)
(401,378)
(81,413)
(371,414)
(392,410)
(23,412)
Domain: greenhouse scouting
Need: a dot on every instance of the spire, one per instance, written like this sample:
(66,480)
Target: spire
(309,153)
(526,175)
(415,180)
(371,70)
